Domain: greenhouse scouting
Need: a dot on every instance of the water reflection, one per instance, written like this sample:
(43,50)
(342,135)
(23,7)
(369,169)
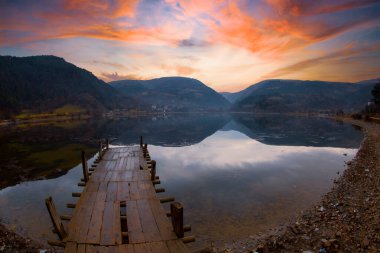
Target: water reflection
(296,131)
(236,175)
(233,186)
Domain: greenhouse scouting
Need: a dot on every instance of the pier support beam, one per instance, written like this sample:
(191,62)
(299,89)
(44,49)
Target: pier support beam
(153,171)
(84,167)
(55,218)
(176,210)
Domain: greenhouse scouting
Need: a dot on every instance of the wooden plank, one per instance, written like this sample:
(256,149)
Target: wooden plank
(126,176)
(148,223)
(93,235)
(134,192)
(127,248)
(122,191)
(108,176)
(142,248)
(114,249)
(135,231)
(111,191)
(176,246)
(114,176)
(159,247)
(147,189)
(106,234)
(116,223)
(71,247)
(164,224)
(85,218)
(76,220)
(98,175)
(95,249)
(129,163)
(81,248)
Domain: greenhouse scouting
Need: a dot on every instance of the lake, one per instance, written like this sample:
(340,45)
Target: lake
(236,175)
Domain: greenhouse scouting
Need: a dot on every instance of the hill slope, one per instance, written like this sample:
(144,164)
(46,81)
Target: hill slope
(303,96)
(173,94)
(43,83)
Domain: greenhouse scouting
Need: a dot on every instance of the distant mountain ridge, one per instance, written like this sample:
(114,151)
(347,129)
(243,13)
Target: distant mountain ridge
(43,83)
(302,96)
(173,94)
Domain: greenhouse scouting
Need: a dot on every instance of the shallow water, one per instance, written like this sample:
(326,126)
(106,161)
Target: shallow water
(235,175)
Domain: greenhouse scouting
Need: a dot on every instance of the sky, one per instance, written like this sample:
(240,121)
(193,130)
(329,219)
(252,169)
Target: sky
(226,44)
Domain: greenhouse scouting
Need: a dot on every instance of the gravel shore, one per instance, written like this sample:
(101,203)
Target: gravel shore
(347,219)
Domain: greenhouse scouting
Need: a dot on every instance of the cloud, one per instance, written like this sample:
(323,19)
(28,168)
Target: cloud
(108,77)
(178,69)
(338,57)
(192,43)
(243,38)
(185,70)
(308,8)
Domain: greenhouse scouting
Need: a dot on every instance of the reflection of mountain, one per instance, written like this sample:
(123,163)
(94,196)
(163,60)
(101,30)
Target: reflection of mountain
(39,151)
(172,130)
(296,131)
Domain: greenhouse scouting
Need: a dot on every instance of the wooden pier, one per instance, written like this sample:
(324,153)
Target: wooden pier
(119,209)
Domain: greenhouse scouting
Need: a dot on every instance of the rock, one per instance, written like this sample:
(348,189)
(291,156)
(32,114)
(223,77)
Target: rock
(259,249)
(365,243)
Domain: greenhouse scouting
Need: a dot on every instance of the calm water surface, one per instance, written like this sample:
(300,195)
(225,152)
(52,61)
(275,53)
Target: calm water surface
(236,175)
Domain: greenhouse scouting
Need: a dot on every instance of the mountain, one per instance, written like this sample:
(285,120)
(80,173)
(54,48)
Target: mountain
(173,94)
(44,83)
(303,96)
(231,96)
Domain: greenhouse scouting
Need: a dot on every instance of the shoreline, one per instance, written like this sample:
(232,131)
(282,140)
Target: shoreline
(346,219)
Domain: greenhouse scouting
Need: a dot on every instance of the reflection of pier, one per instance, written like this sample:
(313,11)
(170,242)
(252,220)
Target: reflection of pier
(119,210)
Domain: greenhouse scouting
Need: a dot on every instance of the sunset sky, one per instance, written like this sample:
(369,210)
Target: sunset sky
(228,45)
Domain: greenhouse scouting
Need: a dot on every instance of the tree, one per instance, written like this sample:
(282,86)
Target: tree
(376,93)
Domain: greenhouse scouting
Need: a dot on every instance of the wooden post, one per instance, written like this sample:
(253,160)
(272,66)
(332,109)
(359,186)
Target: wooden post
(176,210)
(107,143)
(55,218)
(100,150)
(145,149)
(141,141)
(153,171)
(84,167)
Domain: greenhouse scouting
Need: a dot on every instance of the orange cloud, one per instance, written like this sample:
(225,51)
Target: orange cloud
(115,76)
(307,8)
(178,69)
(337,57)
(112,9)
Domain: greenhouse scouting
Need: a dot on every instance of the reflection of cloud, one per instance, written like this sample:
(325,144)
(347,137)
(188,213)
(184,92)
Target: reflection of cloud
(230,149)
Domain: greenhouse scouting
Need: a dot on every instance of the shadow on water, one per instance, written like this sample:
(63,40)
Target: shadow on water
(249,173)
